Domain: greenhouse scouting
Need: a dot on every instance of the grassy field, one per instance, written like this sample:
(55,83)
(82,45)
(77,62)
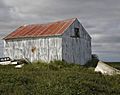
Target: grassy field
(57,78)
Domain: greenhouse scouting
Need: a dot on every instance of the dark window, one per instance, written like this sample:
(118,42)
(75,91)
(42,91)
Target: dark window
(76,30)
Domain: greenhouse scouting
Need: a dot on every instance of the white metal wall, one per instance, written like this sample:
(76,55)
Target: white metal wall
(76,50)
(46,49)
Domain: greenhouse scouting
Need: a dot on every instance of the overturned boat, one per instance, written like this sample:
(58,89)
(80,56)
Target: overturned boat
(106,69)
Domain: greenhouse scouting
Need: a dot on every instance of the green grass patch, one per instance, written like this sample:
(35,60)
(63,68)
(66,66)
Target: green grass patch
(56,78)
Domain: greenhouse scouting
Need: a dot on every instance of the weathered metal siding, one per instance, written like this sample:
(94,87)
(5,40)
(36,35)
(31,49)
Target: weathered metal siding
(76,50)
(46,49)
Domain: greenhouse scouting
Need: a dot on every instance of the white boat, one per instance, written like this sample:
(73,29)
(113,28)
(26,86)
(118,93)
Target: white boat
(19,66)
(5,61)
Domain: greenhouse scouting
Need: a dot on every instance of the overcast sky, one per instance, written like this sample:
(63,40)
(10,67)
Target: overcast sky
(101,18)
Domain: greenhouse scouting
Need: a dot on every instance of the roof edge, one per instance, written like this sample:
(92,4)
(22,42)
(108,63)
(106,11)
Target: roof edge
(45,36)
(72,21)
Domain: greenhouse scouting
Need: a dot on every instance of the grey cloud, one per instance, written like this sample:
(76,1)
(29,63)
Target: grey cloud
(4,12)
(108,38)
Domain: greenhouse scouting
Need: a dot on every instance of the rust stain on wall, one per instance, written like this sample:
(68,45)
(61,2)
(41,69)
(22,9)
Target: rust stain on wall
(33,49)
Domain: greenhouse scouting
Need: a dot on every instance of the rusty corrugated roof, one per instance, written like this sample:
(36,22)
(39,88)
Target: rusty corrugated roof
(38,30)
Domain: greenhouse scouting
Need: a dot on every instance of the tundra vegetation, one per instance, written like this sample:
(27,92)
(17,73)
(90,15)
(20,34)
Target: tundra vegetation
(57,78)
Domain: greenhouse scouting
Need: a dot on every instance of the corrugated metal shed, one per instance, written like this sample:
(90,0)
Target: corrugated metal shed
(51,41)
(38,30)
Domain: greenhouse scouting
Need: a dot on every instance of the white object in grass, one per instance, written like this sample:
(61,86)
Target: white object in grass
(19,66)
(106,69)
(5,63)
(14,63)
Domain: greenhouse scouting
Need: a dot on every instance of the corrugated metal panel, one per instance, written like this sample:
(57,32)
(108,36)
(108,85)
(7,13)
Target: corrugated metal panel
(45,49)
(38,30)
